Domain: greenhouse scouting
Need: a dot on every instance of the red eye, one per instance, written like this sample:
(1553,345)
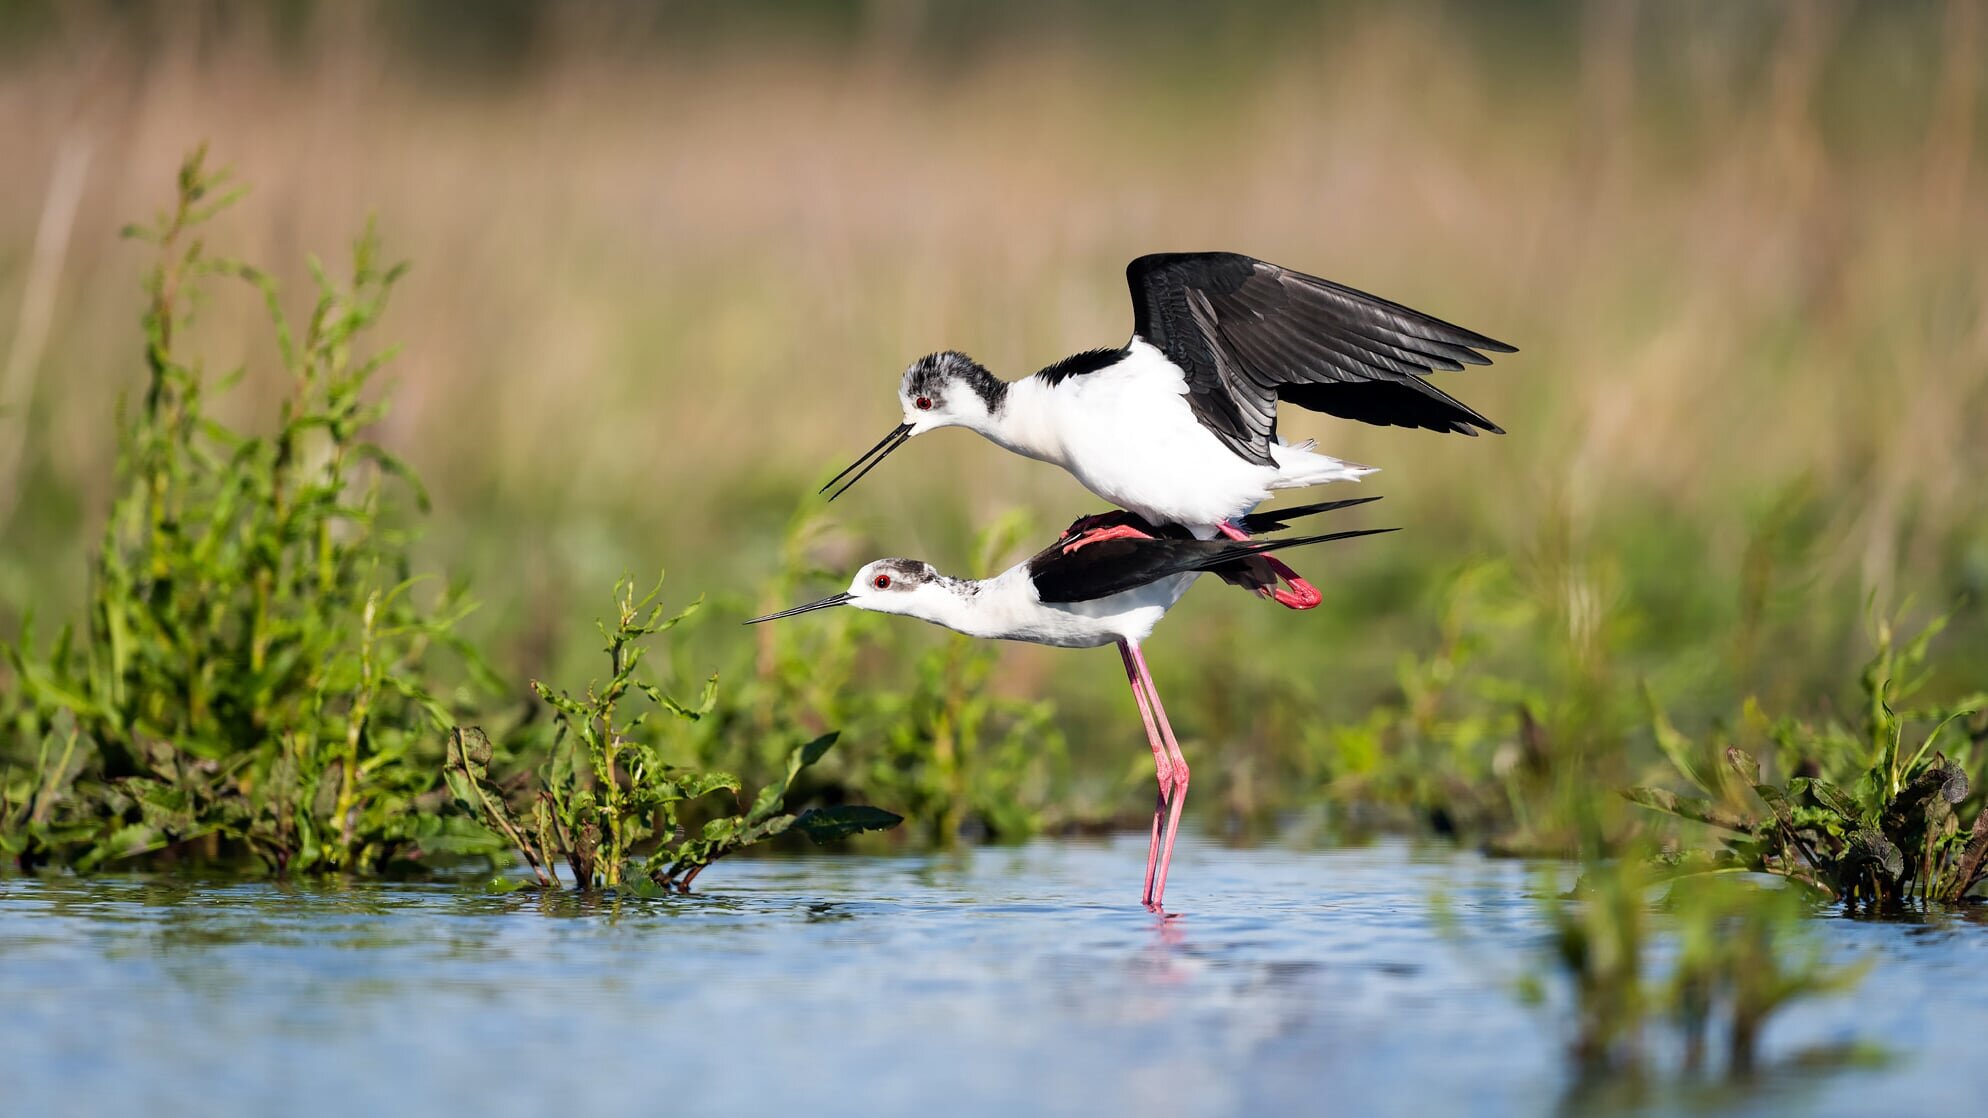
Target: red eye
(881,582)
(924,403)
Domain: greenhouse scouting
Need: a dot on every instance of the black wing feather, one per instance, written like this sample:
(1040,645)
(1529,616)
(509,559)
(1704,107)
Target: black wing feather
(1099,570)
(1248,334)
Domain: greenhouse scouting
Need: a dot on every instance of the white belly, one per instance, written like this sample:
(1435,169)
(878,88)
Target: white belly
(1127,616)
(1128,435)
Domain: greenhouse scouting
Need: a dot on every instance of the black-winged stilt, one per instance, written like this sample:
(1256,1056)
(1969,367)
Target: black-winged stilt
(1108,580)
(1180,424)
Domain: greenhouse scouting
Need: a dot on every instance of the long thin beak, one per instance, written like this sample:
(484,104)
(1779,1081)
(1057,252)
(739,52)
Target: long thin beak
(831,600)
(880,452)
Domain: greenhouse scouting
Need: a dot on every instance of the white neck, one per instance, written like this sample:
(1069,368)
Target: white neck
(975,607)
(1026,423)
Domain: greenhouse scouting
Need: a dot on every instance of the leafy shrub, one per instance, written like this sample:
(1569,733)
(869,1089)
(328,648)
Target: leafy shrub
(1861,815)
(607,801)
(258,679)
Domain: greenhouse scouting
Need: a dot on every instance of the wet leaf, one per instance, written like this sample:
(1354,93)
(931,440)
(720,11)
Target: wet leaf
(829,823)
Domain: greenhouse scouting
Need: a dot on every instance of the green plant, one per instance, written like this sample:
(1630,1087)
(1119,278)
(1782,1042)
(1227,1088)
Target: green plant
(1457,742)
(607,801)
(1715,958)
(1743,953)
(1862,815)
(258,678)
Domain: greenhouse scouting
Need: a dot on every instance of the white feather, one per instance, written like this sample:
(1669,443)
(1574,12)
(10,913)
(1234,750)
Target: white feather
(1127,433)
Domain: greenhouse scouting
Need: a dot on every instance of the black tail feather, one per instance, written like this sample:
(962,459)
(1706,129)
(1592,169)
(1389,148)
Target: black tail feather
(1277,520)
(1215,559)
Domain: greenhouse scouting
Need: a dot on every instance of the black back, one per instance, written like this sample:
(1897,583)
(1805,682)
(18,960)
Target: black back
(1107,567)
(1248,334)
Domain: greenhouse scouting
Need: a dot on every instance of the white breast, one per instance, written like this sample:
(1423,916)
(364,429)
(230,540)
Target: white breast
(1126,432)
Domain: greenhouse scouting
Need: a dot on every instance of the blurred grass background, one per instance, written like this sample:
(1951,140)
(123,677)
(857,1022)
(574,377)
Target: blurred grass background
(669,261)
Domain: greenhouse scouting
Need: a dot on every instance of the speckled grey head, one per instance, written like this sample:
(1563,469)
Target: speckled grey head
(949,389)
(895,575)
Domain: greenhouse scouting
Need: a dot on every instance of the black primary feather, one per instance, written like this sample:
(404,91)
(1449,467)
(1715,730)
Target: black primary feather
(1248,334)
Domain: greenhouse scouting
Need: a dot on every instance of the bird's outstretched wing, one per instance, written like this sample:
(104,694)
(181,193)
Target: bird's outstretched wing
(1113,566)
(1248,334)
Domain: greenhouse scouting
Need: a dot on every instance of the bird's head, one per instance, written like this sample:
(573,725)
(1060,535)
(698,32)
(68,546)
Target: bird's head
(946,389)
(905,586)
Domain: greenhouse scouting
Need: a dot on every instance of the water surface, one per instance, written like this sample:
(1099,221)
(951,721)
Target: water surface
(997,981)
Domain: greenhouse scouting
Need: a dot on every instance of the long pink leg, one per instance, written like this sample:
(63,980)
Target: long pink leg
(1301,595)
(1174,792)
(1161,764)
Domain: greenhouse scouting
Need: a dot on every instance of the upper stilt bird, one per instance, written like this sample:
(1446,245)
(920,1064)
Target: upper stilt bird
(1179,424)
(1108,580)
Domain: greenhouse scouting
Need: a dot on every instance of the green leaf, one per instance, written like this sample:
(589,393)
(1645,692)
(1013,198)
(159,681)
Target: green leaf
(1694,808)
(1873,847)
(703,784)
(463,792)
(825,824)
(1675,746)
(816,749)
(1829,796)
(766,803)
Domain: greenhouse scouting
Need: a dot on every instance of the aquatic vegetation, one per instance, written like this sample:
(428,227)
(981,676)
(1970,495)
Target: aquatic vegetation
(1711,962)
(1861,814)
(607,801)
(262,679)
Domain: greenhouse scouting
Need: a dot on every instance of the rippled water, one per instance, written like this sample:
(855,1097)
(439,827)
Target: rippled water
(998,981)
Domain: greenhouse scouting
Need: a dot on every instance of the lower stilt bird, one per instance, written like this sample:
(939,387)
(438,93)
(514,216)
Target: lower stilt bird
(1108,580)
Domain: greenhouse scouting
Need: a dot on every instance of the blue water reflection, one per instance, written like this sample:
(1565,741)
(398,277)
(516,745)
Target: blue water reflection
(996,981)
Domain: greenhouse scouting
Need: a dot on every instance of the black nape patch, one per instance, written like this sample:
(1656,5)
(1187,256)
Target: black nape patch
(1077,364)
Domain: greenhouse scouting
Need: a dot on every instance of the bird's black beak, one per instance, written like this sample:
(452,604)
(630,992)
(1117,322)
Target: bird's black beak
(872,456)
(831,600)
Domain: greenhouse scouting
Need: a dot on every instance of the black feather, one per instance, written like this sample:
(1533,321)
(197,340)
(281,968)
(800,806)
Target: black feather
(1249,334)
(1277,520)
(1077,364)
(1099,570)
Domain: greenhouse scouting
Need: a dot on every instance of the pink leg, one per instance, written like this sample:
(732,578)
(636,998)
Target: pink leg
(1161,764)
(1174,790)
(1098,535)
(1085,524)
(1301,595)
